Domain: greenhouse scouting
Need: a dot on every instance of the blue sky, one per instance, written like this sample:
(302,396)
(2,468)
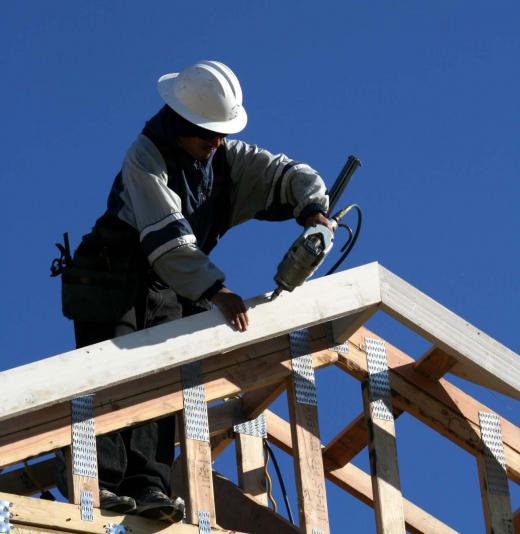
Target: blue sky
(425,93)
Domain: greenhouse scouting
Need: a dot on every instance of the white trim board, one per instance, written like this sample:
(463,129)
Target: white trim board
(90,369)
(78,372)
(498,367)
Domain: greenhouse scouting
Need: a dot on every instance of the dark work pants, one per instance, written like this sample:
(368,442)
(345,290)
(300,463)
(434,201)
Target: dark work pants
(140,456)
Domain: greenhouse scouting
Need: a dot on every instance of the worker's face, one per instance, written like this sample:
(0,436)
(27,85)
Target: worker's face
(201,148)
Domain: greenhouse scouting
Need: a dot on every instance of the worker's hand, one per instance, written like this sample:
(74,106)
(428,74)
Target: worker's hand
(232,307)
(318,218)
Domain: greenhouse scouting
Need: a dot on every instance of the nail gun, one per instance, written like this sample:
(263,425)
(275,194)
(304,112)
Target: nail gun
(311,248)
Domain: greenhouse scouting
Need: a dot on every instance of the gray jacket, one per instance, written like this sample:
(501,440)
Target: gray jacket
(170,199)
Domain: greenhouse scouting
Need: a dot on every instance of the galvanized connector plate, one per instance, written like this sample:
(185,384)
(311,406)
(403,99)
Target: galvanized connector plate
(86,505)
(494,459)
(378,380)
(318,531)
(204,522)
(195,406)
(84,456)
(112,528)
(5,516)
(303,372)
(254,427)
(342,347)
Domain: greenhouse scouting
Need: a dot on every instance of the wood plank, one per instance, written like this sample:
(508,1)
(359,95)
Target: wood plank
(250,467)
(440,405)
(29,512)
(77,453)
(496,502)
(308,462)
(117,396)
(497,365)
(112,416)
(356,482)
(236,510)
(198,480)
(386,485)
(498,515)
(96,367)
(195,447)
(435,363)
(516,521)
(354,437)
(221,419)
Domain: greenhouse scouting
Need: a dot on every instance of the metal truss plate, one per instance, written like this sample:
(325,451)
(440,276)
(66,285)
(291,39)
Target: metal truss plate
(112,528)
(204,523)
(318,531)
(494,459)
(303,372)
(254,427)
(84,457)
(5,516)
(378,380)
(86,505)
(342,347)
(195,406)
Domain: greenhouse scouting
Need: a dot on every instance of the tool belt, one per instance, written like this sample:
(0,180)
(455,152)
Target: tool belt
(102,280)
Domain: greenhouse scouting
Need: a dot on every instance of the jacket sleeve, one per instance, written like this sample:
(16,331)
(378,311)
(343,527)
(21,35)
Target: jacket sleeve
(272,187)
(166,236)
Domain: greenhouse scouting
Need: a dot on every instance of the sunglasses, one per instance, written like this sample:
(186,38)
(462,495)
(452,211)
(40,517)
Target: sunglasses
(208,135)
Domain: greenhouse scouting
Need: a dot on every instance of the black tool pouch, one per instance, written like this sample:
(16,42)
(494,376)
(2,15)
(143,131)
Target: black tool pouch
(102,281)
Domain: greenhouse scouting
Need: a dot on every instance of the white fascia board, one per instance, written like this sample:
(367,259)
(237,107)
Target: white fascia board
(498,365)
(90,369)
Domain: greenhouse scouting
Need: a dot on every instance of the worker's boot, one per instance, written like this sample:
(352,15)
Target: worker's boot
(116,503)
(154,504)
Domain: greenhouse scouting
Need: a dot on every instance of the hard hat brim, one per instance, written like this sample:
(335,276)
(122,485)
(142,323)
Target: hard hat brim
(165,86)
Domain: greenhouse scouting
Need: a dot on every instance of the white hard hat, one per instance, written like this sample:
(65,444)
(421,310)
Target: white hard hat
(207,94)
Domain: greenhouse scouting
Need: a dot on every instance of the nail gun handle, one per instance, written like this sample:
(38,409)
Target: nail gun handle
(342,181)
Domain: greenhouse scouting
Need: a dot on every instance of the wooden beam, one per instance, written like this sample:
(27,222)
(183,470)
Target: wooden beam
(386,485)
(196,449)
(516,521)
(250,467)
(198,480)
(356,482)
(222,417)
(235,377)
(160,348)
(42,514)
(435,363)
(236,510)
(354,437)
(497,366)
(308,461)
(440,405)
(494,489)
(81,456)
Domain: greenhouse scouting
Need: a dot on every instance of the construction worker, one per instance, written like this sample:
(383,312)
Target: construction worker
(182,185)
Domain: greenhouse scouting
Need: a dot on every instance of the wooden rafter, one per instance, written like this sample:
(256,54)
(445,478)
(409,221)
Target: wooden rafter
(440,405)
(356,482)
(224,381)
(354,438)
